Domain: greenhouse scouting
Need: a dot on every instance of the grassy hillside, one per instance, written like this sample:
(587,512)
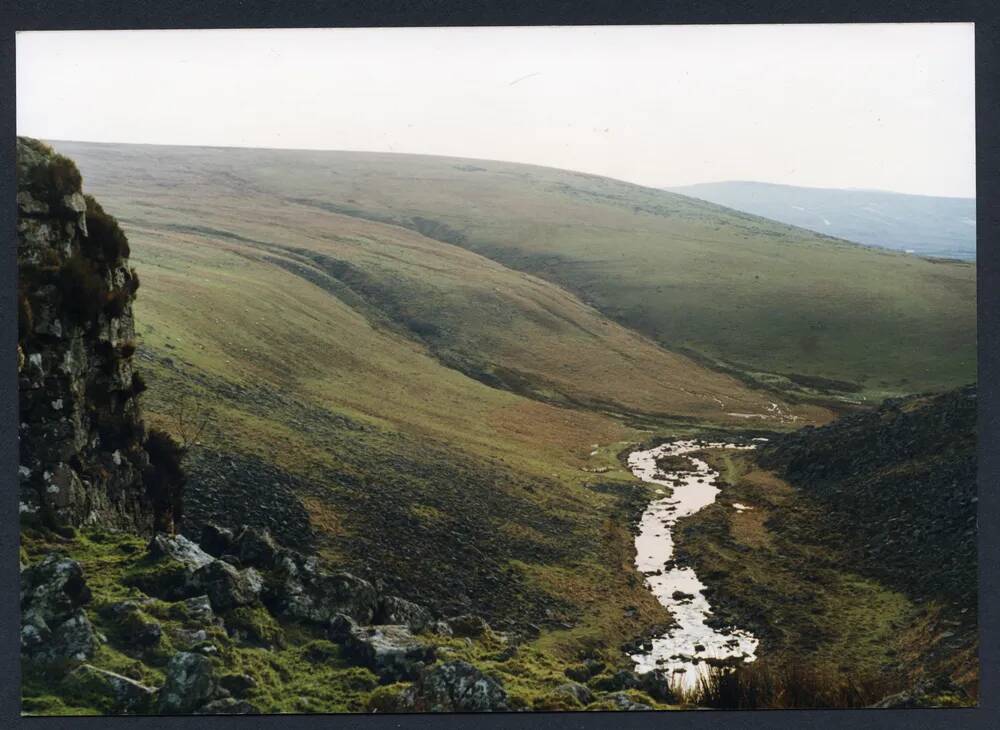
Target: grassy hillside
(856,557)
(365,387)
(778,304)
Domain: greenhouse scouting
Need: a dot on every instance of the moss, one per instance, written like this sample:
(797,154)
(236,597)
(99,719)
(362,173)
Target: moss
(161,578)
(555,701)
(387,699)
(256,625)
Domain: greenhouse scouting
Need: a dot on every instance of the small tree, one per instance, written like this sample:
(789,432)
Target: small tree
(165,479)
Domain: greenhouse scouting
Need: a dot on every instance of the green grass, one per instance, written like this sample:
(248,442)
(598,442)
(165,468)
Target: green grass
(358,358)
(764,298)
(775,570)
(299,672)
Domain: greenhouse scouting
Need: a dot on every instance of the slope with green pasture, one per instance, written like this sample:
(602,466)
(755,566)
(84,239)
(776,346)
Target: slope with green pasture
(781,305)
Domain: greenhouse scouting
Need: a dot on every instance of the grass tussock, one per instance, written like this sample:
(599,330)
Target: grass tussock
(761,686)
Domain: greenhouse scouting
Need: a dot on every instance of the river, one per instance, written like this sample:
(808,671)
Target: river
(682,650)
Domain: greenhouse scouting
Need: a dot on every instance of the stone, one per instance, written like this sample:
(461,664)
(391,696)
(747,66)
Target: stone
(392,652)
(340,628)
(456,686)
(237,684)
(190,683)
(256,547)
(228,706)
(127,695)
(216,540)
(577,691)
(467,626)
(72,640)
(627,704)
(306,592)
(180,549)
(395,610)
(227,587)
(657,684)
(197,609)
(53,588)
(622,679)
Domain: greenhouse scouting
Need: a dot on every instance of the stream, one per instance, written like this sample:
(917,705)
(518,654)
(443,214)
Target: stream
(682,651)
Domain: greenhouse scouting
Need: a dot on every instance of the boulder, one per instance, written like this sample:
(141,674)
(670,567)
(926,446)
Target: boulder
(72,640)
(583,672)
(627,704)
(126,694)
(237,684)
(340,627)
(227,587)
(657,684)
(52,589)
(309,593)
(228,706)
(255,546)
(190,683)
(577,691)
(197,609)
(395,610)
(180,549)
(54,626)
(216,540)
(456,686)
(467,626)
(392,652)
(620,680)
(138,628)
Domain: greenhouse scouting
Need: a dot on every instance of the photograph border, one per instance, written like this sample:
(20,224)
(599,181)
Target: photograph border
(175,14)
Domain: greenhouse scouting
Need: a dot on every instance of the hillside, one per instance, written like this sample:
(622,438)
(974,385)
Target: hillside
(854,558)
(363,386)
(901,482)
(406,491)
(818,317)
(921,224)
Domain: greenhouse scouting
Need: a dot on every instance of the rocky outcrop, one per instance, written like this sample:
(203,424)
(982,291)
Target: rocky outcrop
(82,440)
(455,687)
(54,626)
(392,652)
(190,683)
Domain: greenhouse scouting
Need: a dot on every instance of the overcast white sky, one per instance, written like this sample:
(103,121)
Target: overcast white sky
(869,106)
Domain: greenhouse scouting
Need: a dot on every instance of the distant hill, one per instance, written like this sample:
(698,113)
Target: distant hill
(919,224)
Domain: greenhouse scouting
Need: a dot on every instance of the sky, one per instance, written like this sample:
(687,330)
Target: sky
(878,106)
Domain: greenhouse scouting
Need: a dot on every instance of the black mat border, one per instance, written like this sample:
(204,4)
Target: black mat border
(119,14)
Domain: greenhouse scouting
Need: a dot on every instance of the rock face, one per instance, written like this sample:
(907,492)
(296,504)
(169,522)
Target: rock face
(81,434)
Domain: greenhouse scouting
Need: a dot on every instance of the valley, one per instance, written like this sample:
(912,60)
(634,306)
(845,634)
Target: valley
(430,373)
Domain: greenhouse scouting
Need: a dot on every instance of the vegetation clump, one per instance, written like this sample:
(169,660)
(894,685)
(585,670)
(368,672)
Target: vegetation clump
(165,479)
(105,238)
